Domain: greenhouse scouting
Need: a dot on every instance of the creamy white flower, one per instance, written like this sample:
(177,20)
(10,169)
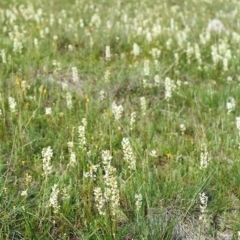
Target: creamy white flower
(48,111)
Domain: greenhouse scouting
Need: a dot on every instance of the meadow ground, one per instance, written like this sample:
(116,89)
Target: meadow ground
(119,119)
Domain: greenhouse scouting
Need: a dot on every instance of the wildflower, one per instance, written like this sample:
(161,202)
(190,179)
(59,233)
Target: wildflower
(102,95)
(82,137)
(182,128)
(225,64)
(238,123)
(47,154)
(128,155)
(55,37)
(35,41)
(189,52)
(149,36)
(229,79)
(107,75)
(138,203)
(169,86)
(24,85)
(65,195)
(74,74)
(230,105)
(169,43)
(81,23)
(155,52)
(99,200)
(95,20)
(132,120)
(48,111)
(3,55)
(69,100)
(107,53)
(203,206)
(215,55)
(143,105)
(146,69)
(17,46)
(136,50)
(204,157)
(117,111)
(84,122)
(53,201)
(70,47)
(24,193)
(12,104)
(70,146)
(28,179)
(92,172)
(153,153)
(73,160)
(111,191)
(176,57)
(106,157)
(168,155)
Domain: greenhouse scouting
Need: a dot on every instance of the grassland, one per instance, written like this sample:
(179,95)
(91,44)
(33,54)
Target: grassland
(119,119)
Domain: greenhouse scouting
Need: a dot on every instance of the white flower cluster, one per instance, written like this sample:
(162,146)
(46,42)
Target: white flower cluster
(110,195)
(69,100)
(107,75)
(146,69)
(74,74)
(230,105)
(117,111)
(82,136)
(128,155)
(47,154)
(48,111)
(95,20)
(92,172)
(155,53)
(53,200)
(17,46)
(238,124)
(107,53)
(238,128)
(204,157)
(12,104)
(189,52)
(221,52)
(138,203)
(73,160)
(132,119)
(99,200)
(203,206)
(182,128)
(3,55)
(143,105)
(169,86)
(136,50)
(70,146)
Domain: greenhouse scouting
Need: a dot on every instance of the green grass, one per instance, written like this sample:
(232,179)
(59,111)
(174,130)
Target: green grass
(169,182)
